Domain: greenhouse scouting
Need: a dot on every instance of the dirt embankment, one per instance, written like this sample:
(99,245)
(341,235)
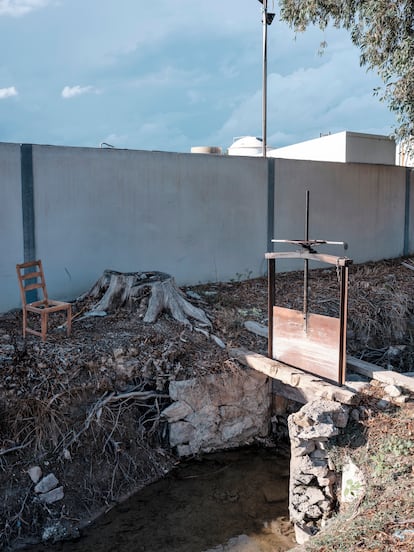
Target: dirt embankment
(86,408)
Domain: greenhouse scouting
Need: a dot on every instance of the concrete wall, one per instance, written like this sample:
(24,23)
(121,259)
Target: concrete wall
(363,205)
(199,217)
(11,228)
(363,147)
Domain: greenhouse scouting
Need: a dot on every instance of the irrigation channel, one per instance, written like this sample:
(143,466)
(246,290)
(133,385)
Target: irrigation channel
(229,501)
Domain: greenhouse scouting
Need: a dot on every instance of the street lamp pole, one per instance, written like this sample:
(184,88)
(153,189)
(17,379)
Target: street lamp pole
(267,19)
(264,81)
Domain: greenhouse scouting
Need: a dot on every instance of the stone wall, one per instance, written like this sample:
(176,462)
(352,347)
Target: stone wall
(313,481)
(218,411)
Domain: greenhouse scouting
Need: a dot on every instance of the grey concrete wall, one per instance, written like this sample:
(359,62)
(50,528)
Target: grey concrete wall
(11,227)
(363,205)
(199,217)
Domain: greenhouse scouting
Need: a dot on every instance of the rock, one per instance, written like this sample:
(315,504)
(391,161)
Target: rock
(302,533)
(314,512)
(218,341)
(355,415)
(383,404)
(52,496)
(302,447)
(35,473)
(402,399)
(177,411)
(392,391)
(46,484)
(353,483)
(184,450)
(67,455)
(319,432)
(314,495)
(181,433)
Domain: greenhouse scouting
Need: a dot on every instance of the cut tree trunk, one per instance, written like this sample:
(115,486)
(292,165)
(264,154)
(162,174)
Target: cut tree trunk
(121,289)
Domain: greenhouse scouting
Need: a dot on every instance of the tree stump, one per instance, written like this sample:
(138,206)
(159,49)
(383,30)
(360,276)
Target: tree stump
(120,289)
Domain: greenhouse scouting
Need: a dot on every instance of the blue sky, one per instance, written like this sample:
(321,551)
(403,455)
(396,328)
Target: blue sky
(172,74)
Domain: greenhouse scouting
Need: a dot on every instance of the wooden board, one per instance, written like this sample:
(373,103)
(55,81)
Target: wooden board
(315,349)
(388,377)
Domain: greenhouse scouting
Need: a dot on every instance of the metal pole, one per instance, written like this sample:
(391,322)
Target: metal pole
(271,270)
(306,267)
(264,84)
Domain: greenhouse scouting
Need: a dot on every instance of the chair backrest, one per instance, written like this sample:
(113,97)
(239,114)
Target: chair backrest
(31,277)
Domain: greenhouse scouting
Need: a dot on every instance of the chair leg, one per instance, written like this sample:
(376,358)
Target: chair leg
(24,322)
(44,325)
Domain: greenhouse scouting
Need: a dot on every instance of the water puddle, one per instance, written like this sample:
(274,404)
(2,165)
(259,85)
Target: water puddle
(229,501)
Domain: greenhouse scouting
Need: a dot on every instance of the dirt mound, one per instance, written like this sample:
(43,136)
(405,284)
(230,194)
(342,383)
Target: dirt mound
(86,408)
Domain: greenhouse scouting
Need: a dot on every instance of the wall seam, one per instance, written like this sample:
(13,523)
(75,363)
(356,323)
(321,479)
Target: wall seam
(28,212)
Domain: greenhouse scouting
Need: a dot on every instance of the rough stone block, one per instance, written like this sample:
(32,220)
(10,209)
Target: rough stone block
(177,411)
(181,433)
(189,391)
(46,484)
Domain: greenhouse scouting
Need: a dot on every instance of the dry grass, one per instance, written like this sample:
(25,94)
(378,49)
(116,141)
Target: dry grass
(71,405)
(383,521)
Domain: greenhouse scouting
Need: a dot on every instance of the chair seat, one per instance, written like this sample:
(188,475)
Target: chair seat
(49,305)
(32,279)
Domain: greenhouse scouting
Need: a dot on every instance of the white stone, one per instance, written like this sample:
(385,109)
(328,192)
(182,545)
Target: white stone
(353,483)
(67,455)
(314,495)
(46,484)
(35,473)
(52,496)
(392,391)
(319,431)
(302,534)
(402,399)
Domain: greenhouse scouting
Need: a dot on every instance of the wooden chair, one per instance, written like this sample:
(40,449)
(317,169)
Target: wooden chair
(31,277)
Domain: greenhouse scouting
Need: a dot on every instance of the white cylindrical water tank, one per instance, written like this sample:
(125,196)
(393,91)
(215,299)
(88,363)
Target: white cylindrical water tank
(206,149)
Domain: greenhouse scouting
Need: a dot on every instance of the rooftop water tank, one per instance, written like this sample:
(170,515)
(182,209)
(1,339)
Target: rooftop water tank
(247,145)
(206,149)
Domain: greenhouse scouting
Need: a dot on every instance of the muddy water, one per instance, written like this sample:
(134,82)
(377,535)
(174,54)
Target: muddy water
(233,501)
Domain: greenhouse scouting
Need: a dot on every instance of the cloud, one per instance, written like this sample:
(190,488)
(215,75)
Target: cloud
(72,91)
(16,8)
(8,92)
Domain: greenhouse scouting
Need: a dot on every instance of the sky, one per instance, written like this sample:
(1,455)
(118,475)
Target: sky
(171,74)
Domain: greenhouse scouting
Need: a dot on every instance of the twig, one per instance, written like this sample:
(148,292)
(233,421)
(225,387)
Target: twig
(3,452)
